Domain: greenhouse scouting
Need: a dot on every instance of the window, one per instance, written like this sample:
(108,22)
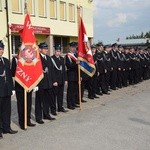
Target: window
(15,40)
(62,10)
(16,6)
(0,5)
(30,6)
(53,10)
(63,41)
(71,12)
(42,8)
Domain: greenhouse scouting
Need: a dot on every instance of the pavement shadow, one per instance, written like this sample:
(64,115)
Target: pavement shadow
(141,121)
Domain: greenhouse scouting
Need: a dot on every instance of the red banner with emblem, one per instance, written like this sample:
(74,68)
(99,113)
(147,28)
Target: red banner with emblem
(84,52)
(29,70)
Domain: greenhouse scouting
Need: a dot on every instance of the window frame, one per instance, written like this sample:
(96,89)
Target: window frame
(45,14)
(55,9)
(0,5)
(33,8)
(65,11)
(73,11)
(20,8)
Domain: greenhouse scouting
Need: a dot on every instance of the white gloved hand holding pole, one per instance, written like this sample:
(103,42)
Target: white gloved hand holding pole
(36,89)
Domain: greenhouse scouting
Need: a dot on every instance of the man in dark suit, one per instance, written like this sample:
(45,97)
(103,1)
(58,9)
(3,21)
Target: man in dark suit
(71,63)
(61,79)
(6,88)
(45,95)
(20,97)
(92,83)
(113,59)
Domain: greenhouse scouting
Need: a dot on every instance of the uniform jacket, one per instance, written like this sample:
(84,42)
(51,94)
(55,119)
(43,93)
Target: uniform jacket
(49,73)
(59,69)
(72,69)
(6,81)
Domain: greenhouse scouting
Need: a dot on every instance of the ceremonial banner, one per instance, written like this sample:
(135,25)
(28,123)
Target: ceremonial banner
(29,70)
(84,52)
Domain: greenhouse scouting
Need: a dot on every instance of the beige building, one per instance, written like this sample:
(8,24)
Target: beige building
(54,21)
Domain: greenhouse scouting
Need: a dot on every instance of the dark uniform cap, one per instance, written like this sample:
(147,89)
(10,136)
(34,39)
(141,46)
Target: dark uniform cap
(1,44)
(99,44)
(115,44)
(93,46)
(43,45)
(73,44)
(120,46)
(107,46)
(57,47)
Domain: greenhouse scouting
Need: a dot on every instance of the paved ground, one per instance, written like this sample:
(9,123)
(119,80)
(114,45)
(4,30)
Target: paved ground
(120,121)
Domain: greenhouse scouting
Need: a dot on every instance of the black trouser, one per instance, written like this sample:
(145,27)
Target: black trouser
(43,101)
(113,79)
(125,77)
(58,96)
(20,106)
(5,113)
(103,83)
(119,78)
(90,87)
(131,76)
(107,78)
(72,93)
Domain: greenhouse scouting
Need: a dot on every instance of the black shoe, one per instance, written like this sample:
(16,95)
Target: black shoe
(96,96)
(90,97)
(83,101)
(30,124)
(49,118)
(76,105)
(113,88)
(62,110)
(99,93)
(21,127)
(54,113)
(10,132)
(71,107)
(1,136)
(106,93)
(40,121)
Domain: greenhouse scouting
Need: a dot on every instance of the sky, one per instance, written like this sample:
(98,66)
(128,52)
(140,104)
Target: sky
(115,19)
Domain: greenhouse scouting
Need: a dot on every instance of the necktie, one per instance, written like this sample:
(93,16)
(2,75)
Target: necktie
(45,57)
(1,62)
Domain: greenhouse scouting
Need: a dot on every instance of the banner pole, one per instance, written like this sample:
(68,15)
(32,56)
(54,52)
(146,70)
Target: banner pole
(79,71)
(25,109)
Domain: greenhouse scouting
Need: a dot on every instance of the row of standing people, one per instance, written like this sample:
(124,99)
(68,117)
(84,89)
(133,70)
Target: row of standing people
(58,72)
(117,67)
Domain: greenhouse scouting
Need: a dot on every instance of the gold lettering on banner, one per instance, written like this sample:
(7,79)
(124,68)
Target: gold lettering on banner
(22,74)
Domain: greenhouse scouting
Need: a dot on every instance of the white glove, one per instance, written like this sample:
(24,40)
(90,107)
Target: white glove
(55,84)
(13,92)
(36,89)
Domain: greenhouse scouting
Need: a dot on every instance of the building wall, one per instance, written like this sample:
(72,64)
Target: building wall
(57,26)
(3,29)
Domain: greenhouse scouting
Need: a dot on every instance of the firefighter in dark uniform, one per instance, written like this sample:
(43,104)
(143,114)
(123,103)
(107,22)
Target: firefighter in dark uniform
(113,59)
(71,63)
(107,66)
(92,81)
(6,90)
(102,70)
(126,65)
(20,97)
(61,79)
(132,66)
(120,67)
(45,95)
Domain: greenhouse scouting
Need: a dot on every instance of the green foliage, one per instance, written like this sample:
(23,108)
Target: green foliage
(141,36)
